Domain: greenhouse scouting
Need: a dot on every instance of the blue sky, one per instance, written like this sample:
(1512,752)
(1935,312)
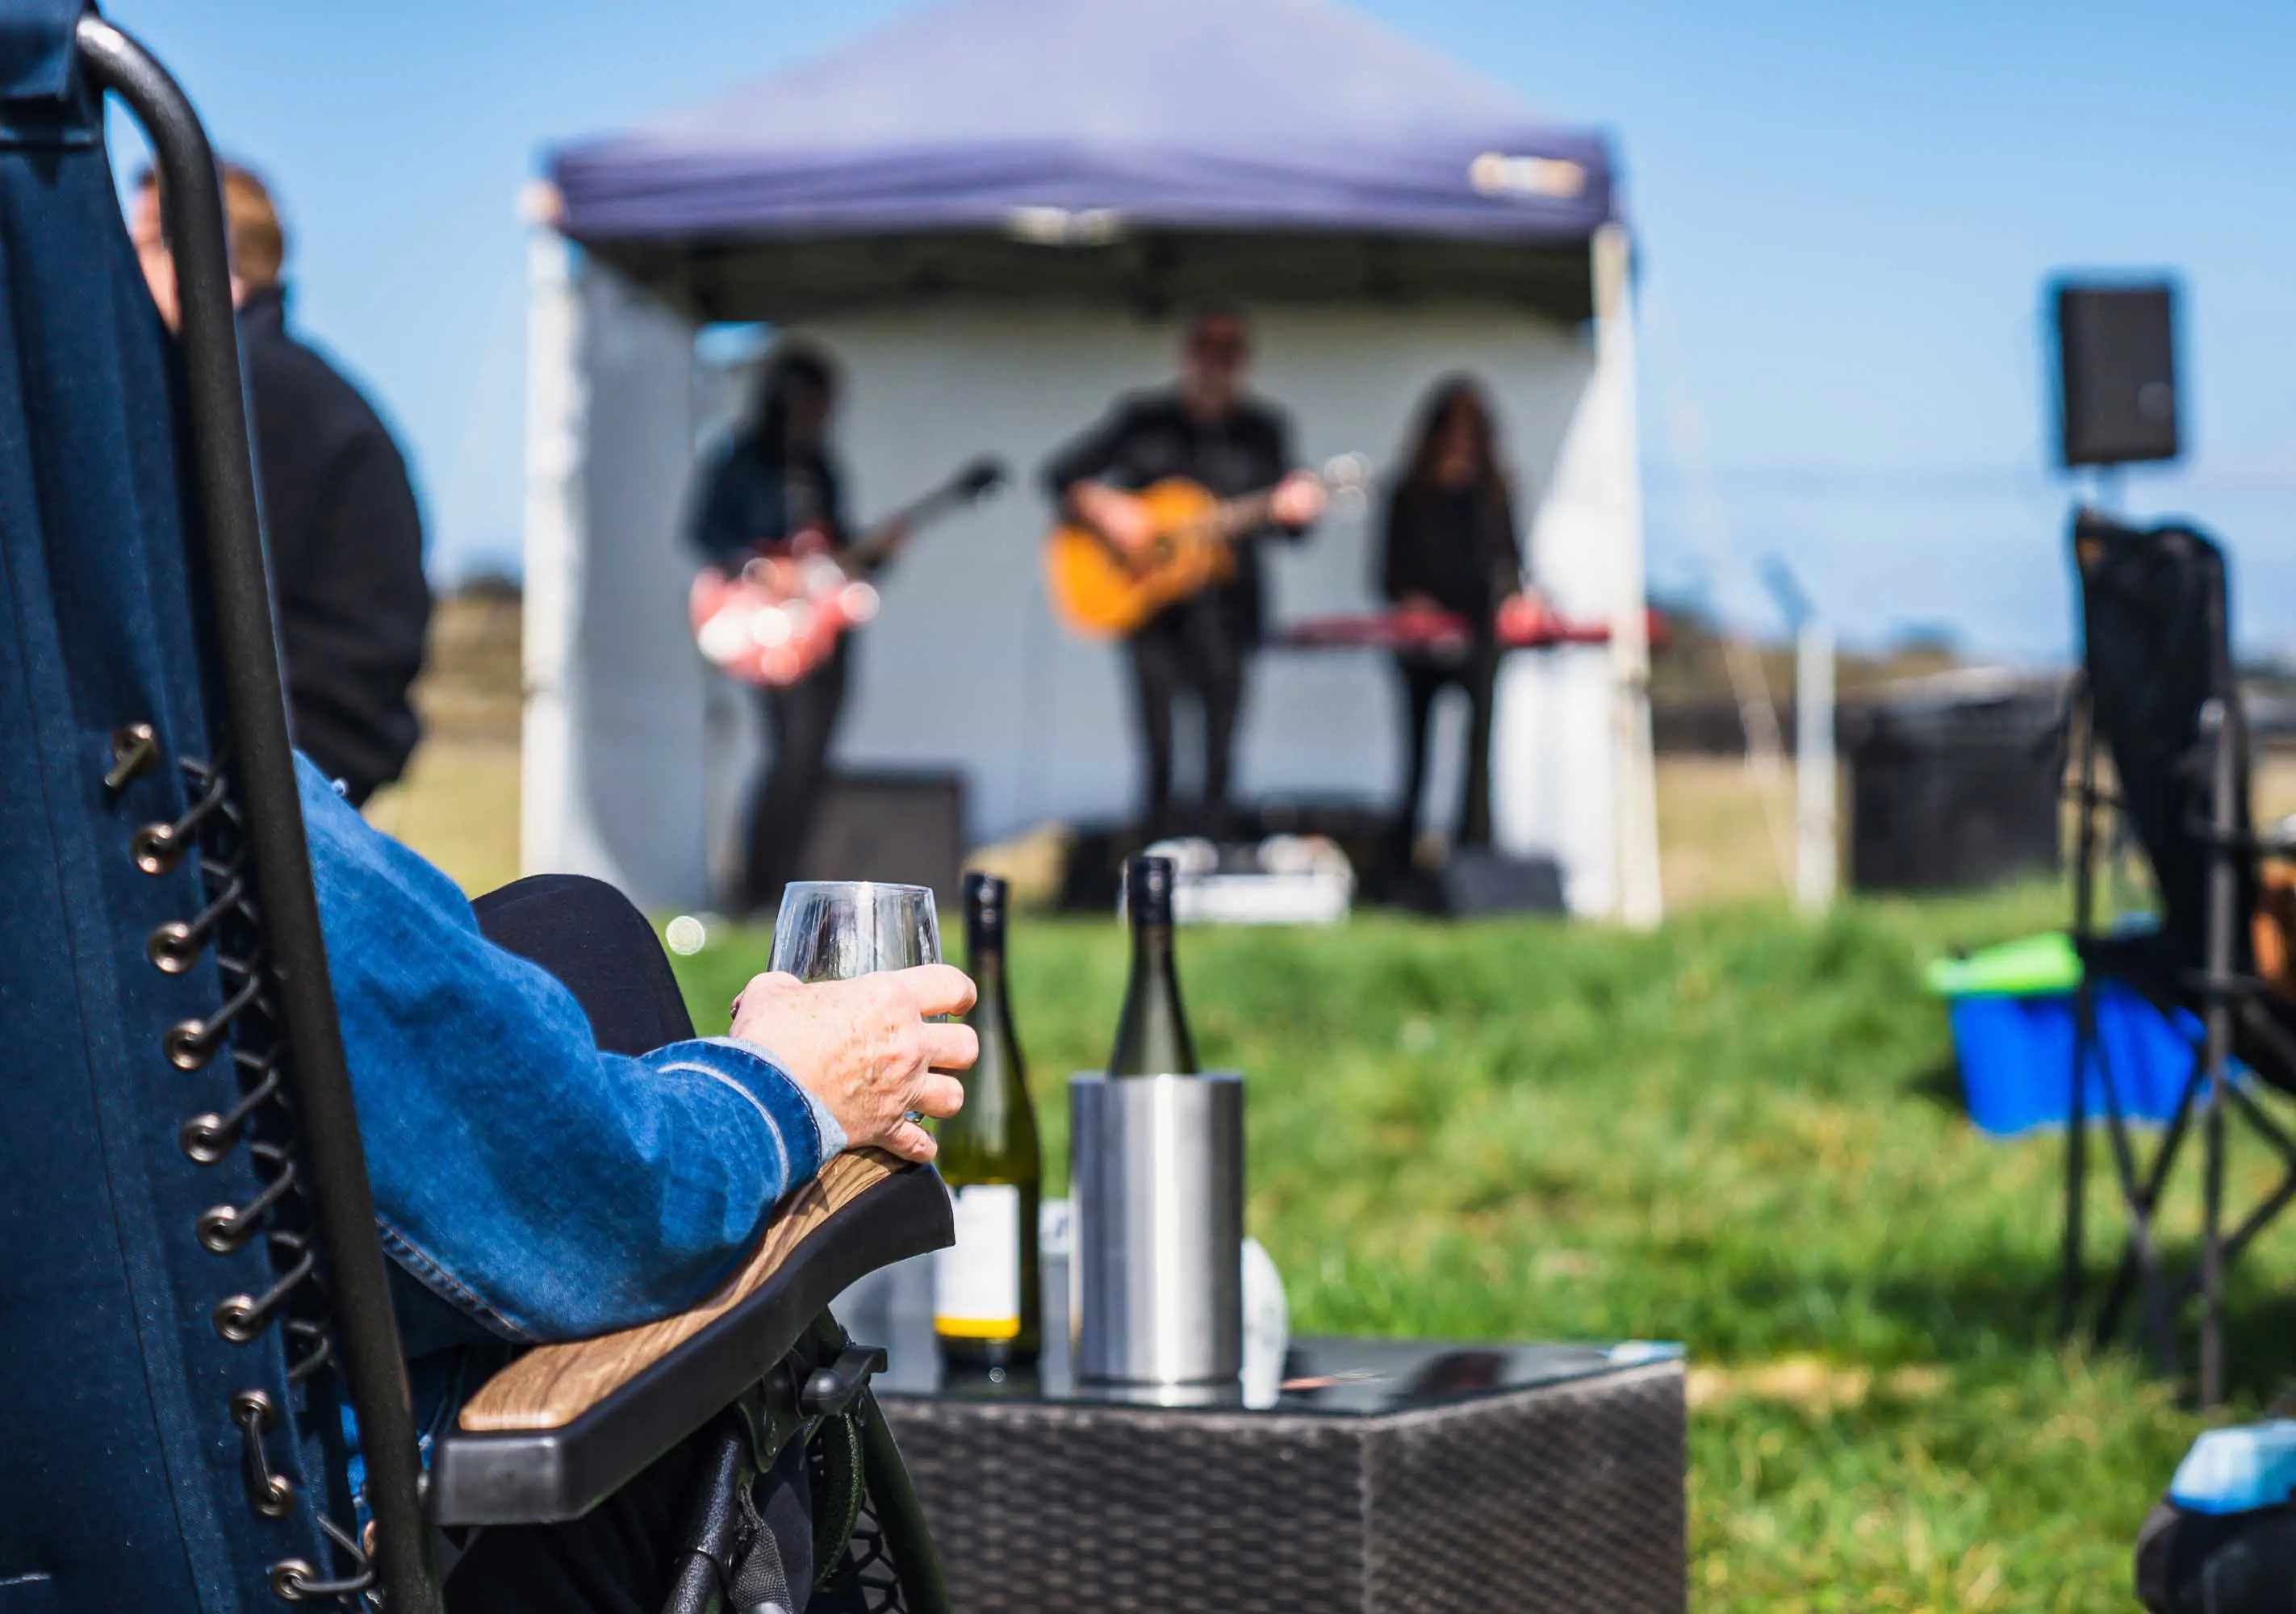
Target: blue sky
(1846,216)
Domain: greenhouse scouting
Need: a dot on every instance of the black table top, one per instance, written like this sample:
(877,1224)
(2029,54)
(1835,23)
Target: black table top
(1319,1377)
(1339,1378)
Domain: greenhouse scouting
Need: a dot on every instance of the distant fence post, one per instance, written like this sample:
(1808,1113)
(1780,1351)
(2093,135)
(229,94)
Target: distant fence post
(1817,854)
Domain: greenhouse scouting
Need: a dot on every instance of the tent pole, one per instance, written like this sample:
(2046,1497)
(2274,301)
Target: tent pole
(1641,902)
(552,543)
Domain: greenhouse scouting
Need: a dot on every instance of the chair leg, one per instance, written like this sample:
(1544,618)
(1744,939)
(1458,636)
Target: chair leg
(2212,1133)
(2140,1260)
(2146,1198)
(707,1556)
(2084,1038)
(908,1541)
(2272,1204)
(2223,898)
(2076,1157)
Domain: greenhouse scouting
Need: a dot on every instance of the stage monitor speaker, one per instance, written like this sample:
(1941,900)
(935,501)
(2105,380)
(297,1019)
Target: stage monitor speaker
(1473,882)
(1955,797)
(2117,373)
(906,828)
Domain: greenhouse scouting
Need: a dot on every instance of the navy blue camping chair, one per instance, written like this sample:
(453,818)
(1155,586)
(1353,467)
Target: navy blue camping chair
(203,1400)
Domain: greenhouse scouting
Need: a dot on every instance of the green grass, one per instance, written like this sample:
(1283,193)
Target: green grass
(1740,1133)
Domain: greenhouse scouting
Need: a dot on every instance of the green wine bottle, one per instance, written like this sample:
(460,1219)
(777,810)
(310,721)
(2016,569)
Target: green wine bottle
(1151,1038)
(985,1305)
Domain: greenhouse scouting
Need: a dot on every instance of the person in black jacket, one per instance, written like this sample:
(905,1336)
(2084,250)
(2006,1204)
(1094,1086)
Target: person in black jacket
(1207,431)
(1449,545)
(339,522)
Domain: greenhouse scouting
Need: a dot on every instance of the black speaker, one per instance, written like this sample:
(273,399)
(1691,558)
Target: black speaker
(905,828)
(2117,373)
(1954,796)
(1475,881)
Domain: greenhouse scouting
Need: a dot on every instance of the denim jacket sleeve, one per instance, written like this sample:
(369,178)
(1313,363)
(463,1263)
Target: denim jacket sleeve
(547,1188)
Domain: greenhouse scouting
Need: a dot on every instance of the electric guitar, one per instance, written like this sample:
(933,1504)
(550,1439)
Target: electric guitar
(1101,592)
(780,615)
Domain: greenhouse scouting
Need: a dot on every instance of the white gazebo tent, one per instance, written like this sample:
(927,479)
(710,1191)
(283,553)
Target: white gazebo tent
(992,214)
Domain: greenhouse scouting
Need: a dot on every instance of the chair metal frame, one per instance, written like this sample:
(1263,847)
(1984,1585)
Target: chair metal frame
(317,1081)
(394,1563)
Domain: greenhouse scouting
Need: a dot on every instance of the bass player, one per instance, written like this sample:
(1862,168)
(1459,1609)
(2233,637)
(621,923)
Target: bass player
(772,485)
(1206,431)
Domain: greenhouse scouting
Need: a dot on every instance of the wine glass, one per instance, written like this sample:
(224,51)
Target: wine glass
(833,929)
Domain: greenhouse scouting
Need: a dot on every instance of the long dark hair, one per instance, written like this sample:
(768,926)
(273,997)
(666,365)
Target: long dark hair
(788,367)
(1452,393)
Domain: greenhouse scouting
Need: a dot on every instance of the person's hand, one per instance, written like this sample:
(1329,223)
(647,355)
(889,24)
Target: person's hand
(867,1047)
(1521,613)
(1117,516)
(1298,500)
(1417,603)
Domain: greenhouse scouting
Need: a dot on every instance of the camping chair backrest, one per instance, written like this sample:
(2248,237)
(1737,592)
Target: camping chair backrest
(2160,674)
(190,1295)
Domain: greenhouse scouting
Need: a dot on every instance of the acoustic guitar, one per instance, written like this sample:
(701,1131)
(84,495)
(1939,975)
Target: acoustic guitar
(780,615)
(1103,592)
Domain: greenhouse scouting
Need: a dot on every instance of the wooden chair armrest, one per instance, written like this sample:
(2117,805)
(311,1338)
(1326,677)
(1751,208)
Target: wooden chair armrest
(567,1425)
(552,1385)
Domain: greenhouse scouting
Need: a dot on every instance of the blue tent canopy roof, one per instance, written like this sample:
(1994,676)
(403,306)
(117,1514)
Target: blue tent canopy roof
(1220,114)
(1086,122)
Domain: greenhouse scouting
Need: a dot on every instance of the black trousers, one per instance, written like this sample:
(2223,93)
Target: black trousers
(801,726)
(2205,1563)
(1422,680)
(623,1556)
(1194,648)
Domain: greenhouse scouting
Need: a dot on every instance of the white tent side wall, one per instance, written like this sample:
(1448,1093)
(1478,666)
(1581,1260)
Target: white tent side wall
(611,782)
(966,668)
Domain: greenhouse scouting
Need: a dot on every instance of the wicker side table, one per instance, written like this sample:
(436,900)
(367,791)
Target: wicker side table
(1400,1479)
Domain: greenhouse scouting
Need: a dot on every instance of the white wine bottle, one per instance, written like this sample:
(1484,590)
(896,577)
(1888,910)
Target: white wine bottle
(985,1309)
(1151,1037)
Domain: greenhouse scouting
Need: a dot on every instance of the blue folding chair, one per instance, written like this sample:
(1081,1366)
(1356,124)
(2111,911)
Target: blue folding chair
(204,1404)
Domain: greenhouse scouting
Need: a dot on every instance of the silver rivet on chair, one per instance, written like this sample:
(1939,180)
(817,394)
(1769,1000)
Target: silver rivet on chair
(289,1577)
(237,1320)
(186,1044)
(222,1230)
(171,947)
(203,1138)
(156,847)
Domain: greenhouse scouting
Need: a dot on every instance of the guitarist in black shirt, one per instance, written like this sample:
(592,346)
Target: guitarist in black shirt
(1206,431)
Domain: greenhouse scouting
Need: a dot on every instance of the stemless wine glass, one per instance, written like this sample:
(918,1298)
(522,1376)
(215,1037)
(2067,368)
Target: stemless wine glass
(833,929)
